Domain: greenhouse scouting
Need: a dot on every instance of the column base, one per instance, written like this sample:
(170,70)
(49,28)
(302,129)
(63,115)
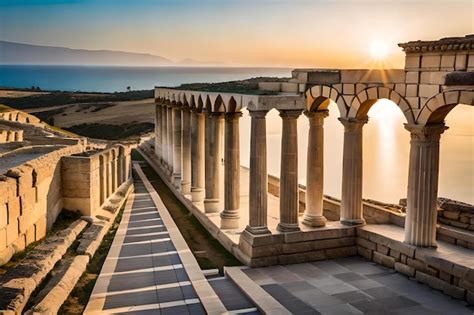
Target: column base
(256,230)
(314,220)
(197,194)
(185,187)
(230,219)
(353,221)
(177,180)
(211,205)
(288,227)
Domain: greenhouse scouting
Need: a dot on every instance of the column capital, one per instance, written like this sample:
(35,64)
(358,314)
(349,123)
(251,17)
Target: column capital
(217,114)
(290,114)
(353,124)
(426,132)
(316,114)
(258,113)
(232,115)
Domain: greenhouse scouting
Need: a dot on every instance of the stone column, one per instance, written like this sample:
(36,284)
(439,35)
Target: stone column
(313,215)
(230,216)
(170,131)
(422,197)
(214,122)
(158,131)
(177,147)
(197,156)
(186,151)
(258,186)
(351,199)
(289,172)
(164,137)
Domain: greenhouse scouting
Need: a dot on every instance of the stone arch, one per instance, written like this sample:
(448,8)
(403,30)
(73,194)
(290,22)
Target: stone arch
(230,106)
(219,104)
(319,97)
(208,105)
(365,99)
(199,104)
(437,107)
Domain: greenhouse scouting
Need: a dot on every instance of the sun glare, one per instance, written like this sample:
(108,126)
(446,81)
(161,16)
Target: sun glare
(378,50)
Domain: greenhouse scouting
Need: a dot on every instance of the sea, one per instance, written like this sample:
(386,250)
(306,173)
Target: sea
(386,142)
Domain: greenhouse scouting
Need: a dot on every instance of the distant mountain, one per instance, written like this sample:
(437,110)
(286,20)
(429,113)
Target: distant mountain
(16,53)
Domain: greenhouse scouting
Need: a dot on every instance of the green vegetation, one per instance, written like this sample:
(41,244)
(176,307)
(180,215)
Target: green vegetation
(196,236)
(63,98)
(111,132)
(249,86)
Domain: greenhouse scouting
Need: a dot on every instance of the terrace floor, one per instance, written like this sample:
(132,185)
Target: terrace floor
(351,285)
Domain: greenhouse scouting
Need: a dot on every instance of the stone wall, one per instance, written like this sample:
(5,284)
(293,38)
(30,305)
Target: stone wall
(90,178)
(21,117)
(30,200)
(10,135)
(435,268)
(374,213)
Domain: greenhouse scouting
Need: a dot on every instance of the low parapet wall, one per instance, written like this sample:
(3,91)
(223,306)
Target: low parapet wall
(30,200)
(10,135)
(90,178)
(19,116)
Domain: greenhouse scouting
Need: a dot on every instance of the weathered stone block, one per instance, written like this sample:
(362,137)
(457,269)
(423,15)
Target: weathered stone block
(453,215)
(348,89)
(470,297)
(427,279)
(387,261)
(428,90)
(448,61)
(364,252)
(3,239)
(412,90)
(461,62)
(366,243)
(445,276)
(454,291)
(405,269)
(401,89)
(403,259)
(12,232)
(382,249)
(412,77)
(412,61)
(431,61)
(395,254)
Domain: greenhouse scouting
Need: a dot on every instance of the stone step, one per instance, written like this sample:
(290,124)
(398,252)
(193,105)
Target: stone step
(64,278)
(454,235)
(264,301)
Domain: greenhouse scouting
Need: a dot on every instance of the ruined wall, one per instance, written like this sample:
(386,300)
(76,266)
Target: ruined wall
(21,117)
(30,200)
(10,135)
(90,178)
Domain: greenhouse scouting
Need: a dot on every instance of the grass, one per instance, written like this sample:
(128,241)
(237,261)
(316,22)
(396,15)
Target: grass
(195,235)
(79,297)
(111,132)
(63,221)
(5,108)
(63,98)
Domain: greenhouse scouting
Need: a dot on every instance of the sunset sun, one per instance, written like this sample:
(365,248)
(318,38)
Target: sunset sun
(378,49)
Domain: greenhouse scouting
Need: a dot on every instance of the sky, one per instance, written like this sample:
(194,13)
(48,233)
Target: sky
(286,33)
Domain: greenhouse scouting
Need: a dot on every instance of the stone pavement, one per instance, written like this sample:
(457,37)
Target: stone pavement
(150,269)
(351,286)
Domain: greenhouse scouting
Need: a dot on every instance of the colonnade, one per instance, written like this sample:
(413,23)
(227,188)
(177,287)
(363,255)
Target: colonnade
(113,170)
(189,150)
(192,157)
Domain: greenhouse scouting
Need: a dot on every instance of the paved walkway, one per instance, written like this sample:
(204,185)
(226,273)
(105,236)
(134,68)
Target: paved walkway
(148,270)
(351,286)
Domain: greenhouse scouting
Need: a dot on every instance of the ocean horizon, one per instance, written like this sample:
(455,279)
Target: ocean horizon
(92,78)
